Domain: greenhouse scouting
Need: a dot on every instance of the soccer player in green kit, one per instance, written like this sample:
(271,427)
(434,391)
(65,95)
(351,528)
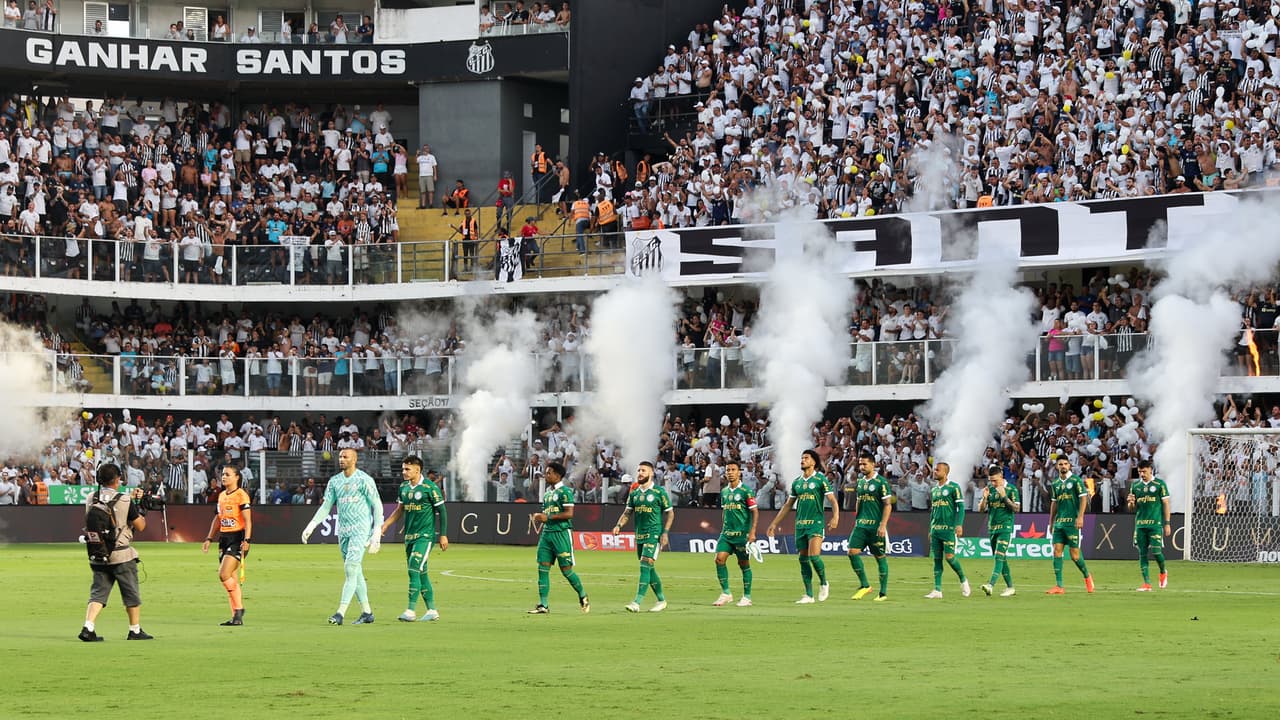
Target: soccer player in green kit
(946,523)
(425,525)
(808,494)
(872,507)
(738,505)
(654,514)
(1066,513)
(1000,502)
(359,519)
(555,541)
(1150,498)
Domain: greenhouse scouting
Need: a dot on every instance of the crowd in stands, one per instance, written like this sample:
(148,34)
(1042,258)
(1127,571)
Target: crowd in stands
(848,109)
(515,17)
(43,16)
(314,190)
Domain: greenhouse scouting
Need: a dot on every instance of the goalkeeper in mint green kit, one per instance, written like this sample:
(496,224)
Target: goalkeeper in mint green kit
(1150,499)
(359,525)
(946,523)
(426,524)
(808,494)
(654,514)
(556,541)
(1066,515)
(1000,502)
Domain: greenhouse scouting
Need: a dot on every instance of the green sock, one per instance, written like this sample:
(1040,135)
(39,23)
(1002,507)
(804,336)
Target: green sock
(1057,569)
(746,581)
(882,563)
(1084,569)
(955,565)
(655,582)
(996,570)
(414,589)
(574,582)
(1008,576)
(722,574)
(646,572)
(1145,565)
(856,562)
(1160,561)
(820,567)
(428,594)
(937,573)
(544,583)
(806,574)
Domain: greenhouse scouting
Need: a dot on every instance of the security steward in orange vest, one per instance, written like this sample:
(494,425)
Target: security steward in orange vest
(606,221)
(581,216)
(539,166)
(468,239)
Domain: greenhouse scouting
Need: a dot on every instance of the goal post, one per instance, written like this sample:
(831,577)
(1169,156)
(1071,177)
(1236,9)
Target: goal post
(1231,495)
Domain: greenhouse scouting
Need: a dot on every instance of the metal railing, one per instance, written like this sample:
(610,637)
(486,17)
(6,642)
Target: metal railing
(395,373)
(301,261)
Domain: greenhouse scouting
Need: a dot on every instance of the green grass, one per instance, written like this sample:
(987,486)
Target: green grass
(1206,647)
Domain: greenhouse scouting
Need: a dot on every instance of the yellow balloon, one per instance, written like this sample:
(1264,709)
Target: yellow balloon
(1126,54)
(1124,149)
(1231,124)
(846,214)
(1097,404)
(860,59)
(1110,75)
(879,157)
(1066,106)
(327,455)
(86,414)
(88,453)
(870,212)
(1097,417)
(804,24)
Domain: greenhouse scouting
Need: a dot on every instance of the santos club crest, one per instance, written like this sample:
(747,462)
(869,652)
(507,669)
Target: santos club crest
(480,58)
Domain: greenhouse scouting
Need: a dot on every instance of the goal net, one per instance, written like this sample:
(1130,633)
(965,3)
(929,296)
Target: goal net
(1232,496)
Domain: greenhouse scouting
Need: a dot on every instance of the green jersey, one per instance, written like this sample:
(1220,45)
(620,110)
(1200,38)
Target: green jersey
(648,505)
(359,507)
(420,503)
(1068,494)
(1149,497)
(810,494)
(736,503)
(556,500)
(946,506)
(999,514)
(872,492)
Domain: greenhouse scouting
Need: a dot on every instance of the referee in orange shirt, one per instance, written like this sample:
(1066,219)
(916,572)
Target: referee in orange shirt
(233,524)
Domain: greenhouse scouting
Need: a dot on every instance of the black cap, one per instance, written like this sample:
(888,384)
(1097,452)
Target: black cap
(994,470)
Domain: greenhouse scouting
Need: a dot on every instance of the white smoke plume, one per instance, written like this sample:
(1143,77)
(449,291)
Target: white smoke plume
(935,167)
(499,378)
(26,383)
(991,322)
(631,351)
(1194,322)
(800,338)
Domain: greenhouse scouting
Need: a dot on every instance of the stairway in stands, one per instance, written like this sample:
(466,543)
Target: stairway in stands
(97,372)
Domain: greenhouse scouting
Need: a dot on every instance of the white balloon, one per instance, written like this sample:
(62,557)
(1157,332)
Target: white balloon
(1124,284)
(125,413)
(1108,410)
(1131,402)
(724,421)
(1220,91)
(1109,421)
(1102,457)
(1106,400)
(1037,408)
(1026,407)
(1064,398)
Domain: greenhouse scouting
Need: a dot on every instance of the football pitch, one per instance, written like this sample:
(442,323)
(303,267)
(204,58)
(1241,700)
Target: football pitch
(1209,646)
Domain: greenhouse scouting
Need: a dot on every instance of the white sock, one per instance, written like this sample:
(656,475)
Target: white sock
(342,609)
(88,625)
(135,628)
(366,607)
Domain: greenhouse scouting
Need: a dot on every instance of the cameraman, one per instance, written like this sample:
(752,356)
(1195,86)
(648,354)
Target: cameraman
(122,567)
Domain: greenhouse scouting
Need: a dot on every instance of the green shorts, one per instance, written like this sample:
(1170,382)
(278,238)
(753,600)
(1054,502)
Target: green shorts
(803,537)
(736,545)
(942,543)
(1068,536)
(648,549)
(1000,543)
(417,551)
(1149,537)
(866,537)
(555,545)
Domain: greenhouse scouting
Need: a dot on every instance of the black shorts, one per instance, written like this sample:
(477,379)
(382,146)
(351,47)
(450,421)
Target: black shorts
(123,574)
(229,545)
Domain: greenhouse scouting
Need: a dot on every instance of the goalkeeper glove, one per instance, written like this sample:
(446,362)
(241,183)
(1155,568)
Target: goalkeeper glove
(375,545)
(306,532)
